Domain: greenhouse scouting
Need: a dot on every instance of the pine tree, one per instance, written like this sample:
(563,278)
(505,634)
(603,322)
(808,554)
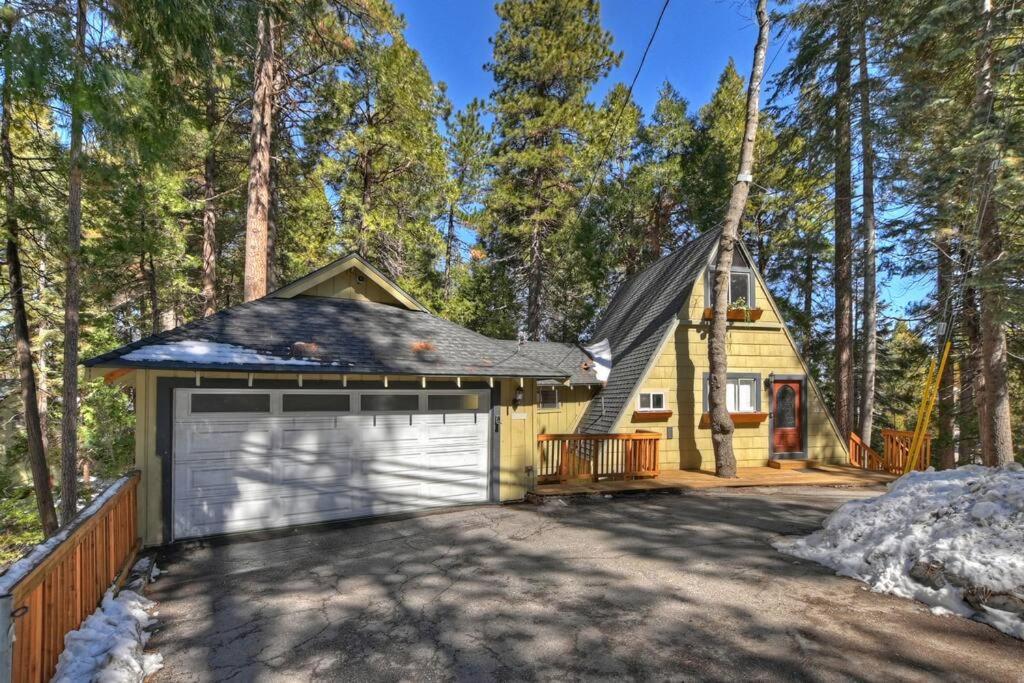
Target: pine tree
(548,54)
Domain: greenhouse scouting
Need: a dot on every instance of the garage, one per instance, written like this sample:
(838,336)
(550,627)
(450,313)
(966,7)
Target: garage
(251,459)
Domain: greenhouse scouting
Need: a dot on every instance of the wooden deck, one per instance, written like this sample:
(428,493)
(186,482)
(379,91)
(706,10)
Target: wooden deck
(690,480)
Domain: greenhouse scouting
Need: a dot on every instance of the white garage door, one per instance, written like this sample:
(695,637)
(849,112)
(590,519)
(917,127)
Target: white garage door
(258,459)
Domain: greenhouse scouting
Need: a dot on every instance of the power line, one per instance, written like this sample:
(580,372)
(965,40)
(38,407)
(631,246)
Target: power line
(622,107)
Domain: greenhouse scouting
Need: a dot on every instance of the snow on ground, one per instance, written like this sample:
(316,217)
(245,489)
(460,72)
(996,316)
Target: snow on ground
(210,352)
(952,539)
(108,648)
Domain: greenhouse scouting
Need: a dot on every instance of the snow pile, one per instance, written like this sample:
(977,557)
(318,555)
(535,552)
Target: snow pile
(953,540)
(108,648)
(210,352)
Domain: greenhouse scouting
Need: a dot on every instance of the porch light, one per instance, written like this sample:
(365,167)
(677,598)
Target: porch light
(517,398)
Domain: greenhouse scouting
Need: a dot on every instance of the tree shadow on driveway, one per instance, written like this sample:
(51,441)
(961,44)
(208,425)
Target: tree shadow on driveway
(668,586)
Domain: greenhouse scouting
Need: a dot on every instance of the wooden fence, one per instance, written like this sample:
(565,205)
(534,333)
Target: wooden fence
(894,455)
(67,584)
(564,457)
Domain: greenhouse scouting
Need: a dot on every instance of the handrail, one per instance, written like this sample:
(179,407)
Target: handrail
(895,452)
(565,457)
(65,579)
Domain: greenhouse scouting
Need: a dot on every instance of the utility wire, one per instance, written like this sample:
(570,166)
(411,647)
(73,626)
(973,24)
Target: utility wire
(622,107)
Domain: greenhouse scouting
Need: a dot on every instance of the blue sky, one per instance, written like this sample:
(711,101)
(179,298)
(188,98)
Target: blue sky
(693,45)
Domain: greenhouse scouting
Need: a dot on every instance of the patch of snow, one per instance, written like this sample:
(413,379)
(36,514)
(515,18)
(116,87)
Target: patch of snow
(108,647)
(20,569)
(601,353)
(968,522)
(210,352)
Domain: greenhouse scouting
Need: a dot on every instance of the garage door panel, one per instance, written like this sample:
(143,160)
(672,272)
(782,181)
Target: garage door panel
(199,440)
(294,470)
(225,475)
(263,471)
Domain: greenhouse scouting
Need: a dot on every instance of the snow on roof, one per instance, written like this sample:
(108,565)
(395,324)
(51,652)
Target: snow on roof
(189,351)
(942,538)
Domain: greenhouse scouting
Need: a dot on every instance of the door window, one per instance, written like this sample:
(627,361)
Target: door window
(785,408)
(316,403)
(230,403)
(384,403)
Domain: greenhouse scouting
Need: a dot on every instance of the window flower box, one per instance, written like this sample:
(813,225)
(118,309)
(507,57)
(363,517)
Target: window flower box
(737,314)
(738,419)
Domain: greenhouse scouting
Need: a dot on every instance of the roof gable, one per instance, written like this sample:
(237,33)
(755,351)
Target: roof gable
(643,312)
(350,277)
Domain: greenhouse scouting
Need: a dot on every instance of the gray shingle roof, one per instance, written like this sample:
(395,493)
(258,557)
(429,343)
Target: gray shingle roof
(353,337)
(636,322)
(569,359)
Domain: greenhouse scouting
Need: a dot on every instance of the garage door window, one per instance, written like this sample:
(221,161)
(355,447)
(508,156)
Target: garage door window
(389,403)
(230,403)
(453,402)
(316,403)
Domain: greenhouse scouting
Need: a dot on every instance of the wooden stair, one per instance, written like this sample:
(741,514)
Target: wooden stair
(793,464)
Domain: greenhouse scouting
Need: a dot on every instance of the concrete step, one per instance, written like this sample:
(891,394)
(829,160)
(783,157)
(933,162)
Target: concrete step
(792,464)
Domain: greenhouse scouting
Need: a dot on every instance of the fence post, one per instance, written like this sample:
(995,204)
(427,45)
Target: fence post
(6,638)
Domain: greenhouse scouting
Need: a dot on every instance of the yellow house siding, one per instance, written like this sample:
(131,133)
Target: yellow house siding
(762,347)
(572,403)
(346,285)
(517,439)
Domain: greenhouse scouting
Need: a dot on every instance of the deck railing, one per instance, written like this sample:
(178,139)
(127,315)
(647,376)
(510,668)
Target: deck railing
(565,457)
(66,582)
(894,455)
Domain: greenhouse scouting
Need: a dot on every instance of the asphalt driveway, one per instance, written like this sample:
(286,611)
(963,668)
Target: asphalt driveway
(676,587)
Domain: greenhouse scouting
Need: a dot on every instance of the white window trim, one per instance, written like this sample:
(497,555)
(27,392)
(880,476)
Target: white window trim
(540,404)
(664,401)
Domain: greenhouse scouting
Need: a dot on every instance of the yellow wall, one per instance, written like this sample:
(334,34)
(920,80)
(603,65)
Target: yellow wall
(518,439)
(346,285)
(572,403)
(759,347)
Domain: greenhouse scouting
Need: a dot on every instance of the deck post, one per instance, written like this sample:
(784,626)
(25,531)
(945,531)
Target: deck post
(6,637)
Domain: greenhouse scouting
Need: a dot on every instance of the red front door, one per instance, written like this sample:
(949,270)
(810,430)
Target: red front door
(787,416)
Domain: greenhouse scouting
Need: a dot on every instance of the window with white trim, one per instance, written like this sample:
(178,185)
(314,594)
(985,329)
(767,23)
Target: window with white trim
(651,400)
(742,285)
(547,398)
(741,395)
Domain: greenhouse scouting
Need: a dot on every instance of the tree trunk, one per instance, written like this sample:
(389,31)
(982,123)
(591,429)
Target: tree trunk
(947,401)
(148,268)
(808,303)
(449,252)
(258,204)
(974,380)
(72,294)
(43,363)
(869,307)
(209,207)
(365,203)
(22,336)
(844,242)
(999,449)
(535,286)
(722,426)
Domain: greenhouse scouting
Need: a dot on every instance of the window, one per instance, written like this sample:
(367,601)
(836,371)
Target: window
(651,400)
(740,295)
(547,398)
(230,403)
(453,402)
(741,395)
(785,408)
(389,402)
(742,392)
(741,283)
(316,403)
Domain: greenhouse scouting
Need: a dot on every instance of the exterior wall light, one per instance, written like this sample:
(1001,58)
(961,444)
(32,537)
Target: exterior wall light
(518,397)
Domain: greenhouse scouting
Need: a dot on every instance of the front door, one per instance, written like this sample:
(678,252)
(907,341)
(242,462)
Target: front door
(787,417)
